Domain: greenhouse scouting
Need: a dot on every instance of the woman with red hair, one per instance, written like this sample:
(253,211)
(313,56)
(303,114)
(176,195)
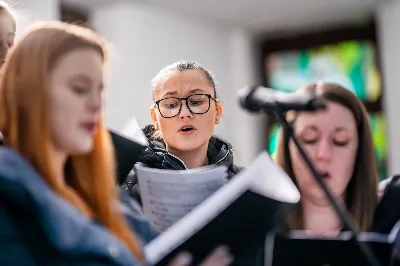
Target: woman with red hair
(58,201)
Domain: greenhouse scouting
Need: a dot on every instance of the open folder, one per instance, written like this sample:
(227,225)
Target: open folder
(298,249)
(129,144)
(238,214)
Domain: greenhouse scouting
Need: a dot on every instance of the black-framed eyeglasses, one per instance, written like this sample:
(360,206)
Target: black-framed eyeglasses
(196,103)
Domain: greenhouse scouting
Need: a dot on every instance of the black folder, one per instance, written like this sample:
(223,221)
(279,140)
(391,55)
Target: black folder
(127,153)
(297,249)
(239,215)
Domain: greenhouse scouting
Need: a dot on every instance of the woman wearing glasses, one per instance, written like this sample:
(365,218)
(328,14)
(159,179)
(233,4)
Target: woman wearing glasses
(184,114)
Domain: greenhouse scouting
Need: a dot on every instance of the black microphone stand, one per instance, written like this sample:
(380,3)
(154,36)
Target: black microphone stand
(339,208)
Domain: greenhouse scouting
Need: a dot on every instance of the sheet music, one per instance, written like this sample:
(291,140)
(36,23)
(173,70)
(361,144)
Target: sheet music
(168,195)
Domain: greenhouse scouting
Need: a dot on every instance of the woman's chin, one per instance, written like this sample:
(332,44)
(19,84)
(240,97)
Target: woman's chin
(82,149)
(318,197)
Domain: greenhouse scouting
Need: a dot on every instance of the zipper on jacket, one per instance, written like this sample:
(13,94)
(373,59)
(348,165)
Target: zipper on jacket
(184,165)
(223,158)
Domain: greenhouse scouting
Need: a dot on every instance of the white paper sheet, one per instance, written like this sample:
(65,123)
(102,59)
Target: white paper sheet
(169,195)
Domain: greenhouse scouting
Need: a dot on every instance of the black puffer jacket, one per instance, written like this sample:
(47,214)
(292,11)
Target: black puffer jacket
(219,152)
(156,156)
(387,213)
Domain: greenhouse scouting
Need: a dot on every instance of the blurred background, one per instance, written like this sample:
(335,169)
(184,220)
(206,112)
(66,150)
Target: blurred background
(282,44)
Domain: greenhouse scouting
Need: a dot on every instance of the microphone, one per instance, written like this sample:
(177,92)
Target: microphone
(257,98)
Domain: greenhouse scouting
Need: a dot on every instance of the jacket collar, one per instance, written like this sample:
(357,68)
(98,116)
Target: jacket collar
(64,226)
(219,152)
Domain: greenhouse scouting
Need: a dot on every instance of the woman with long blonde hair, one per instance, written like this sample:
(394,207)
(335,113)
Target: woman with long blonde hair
(58,201)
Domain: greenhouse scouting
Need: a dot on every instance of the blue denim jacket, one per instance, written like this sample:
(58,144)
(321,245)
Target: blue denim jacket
(38,227)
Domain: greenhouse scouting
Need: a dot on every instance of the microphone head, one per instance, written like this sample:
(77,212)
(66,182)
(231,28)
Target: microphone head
(245,96)
(317,104)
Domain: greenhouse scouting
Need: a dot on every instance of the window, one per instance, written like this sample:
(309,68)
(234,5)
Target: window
(345,56)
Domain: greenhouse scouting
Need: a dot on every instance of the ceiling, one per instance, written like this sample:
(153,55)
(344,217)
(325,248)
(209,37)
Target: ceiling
(265,15)
(271,15)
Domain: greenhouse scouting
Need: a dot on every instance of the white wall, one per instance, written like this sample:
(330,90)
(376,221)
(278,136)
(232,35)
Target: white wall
(31,11)
(388,16)
(145,39)
(249,129)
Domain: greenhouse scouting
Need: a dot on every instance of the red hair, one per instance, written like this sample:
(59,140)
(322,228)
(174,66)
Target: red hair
(24,122)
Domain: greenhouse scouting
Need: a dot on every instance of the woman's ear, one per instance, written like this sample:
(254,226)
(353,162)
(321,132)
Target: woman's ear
(154,117)
(219,109)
